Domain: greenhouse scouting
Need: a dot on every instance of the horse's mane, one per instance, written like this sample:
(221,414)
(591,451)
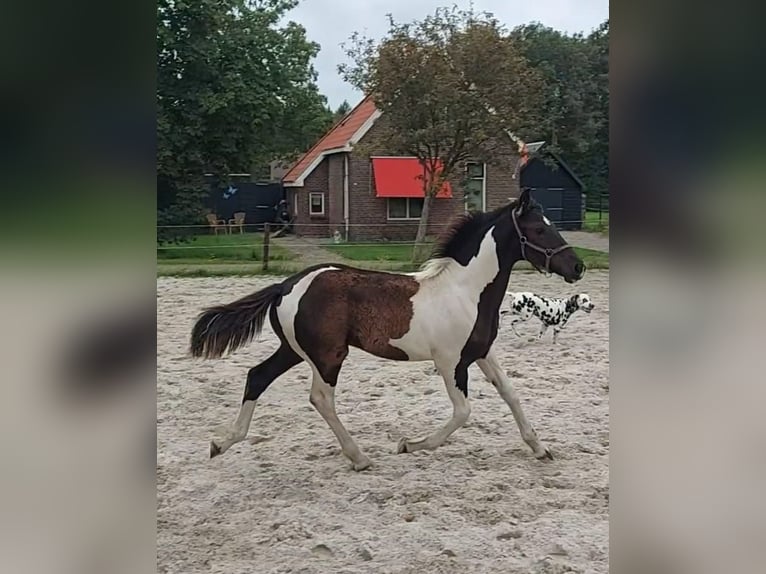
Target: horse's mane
(462,229)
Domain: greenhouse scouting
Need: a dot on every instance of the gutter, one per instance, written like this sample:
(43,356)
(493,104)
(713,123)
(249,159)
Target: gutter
(345,194)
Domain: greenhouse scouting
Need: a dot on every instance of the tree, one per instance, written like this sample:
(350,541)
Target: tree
(449,87)
(342,110)
(596,169)
(234,88)
(576,101)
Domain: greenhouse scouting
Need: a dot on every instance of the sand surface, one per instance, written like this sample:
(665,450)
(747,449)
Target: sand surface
(286,500)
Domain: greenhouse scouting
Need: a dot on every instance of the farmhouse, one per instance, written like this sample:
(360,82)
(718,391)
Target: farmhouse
(378,195)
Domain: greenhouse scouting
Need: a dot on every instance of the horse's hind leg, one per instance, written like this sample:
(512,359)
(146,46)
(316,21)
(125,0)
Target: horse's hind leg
(496,375)
(322,397)
(258,380)
(456,381)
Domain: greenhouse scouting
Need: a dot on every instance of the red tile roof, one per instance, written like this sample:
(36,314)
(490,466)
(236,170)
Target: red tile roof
(339,136)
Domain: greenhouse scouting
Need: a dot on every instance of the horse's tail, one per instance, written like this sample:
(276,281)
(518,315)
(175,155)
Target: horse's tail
(233,325)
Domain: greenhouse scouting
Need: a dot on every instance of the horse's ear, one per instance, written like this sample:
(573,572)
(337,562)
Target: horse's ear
(524,200)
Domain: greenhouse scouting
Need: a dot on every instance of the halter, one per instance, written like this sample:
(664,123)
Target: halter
(549,253)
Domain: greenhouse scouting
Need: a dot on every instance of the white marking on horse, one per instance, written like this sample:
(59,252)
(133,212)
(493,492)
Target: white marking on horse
(443,315)
(444,312)
(546,220)
(225,437)
(432,268)
(431,314)
(288,309)
(322,395)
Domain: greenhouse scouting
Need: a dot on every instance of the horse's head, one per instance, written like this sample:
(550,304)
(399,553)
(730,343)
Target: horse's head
(541,243)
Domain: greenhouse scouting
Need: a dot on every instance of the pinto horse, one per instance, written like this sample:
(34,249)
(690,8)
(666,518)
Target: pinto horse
(448,313)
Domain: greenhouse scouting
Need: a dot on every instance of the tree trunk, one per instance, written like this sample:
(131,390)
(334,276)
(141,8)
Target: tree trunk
(421,251)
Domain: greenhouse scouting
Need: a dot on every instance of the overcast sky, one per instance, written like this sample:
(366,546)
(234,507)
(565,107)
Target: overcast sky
(331,22)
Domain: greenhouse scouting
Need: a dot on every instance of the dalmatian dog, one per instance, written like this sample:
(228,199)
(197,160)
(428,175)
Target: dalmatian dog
(551,312)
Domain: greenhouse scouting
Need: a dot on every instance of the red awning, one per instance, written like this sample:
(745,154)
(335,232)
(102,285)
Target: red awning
(402,177)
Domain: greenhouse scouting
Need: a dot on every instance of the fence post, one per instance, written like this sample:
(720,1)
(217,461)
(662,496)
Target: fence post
(266,233)
(600,207)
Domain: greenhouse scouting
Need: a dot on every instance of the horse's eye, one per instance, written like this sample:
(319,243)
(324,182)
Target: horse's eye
(540,230)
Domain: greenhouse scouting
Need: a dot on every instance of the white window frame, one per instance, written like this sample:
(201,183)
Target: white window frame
(407,218)
(483,184)
(316,213)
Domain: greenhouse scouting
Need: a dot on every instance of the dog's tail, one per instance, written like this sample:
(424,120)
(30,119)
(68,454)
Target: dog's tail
(233,325)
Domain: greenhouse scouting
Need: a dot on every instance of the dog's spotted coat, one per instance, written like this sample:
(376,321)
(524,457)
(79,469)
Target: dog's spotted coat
(551,312)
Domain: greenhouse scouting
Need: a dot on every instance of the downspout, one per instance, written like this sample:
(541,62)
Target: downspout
(345,193)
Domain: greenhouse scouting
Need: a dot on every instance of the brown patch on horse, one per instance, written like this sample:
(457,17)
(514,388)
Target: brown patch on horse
(364,309)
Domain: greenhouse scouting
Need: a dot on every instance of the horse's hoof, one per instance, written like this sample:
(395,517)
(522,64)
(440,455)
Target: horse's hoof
(402,446)
(362,464)
(545,454)
(215,450)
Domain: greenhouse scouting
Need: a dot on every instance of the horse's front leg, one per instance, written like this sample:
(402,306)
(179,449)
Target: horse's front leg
(491,368)
(456,381)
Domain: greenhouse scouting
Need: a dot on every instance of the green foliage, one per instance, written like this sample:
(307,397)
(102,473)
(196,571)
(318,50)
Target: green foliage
(385,257)
(449,87)
(342,110)
(223,248)
(593,258)
(401,252)
(374,251)
(437,80)
(575,108)
(235,88)
(596,222)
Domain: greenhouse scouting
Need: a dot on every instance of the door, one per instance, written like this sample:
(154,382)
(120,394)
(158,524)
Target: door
(552,200)
(475,189)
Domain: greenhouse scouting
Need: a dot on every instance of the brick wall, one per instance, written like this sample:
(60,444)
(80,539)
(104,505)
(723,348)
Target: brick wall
(500,185)
(335,191)
(328,179)
(368,214)
(313,225)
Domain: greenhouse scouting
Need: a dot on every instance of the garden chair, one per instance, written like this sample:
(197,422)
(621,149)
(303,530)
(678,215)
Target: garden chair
(215,223)
(237,221)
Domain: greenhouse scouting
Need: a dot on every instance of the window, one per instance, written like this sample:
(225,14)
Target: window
(475,186)
(405,207)
(316,203)
(475,170)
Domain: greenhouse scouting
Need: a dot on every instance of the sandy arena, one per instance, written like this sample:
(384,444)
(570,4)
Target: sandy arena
(286,500)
